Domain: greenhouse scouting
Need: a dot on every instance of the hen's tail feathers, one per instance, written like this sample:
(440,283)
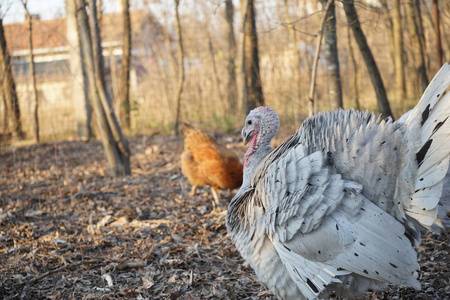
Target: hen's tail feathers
(429,137)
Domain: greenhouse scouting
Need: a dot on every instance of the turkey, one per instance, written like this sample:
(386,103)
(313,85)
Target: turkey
(339,206)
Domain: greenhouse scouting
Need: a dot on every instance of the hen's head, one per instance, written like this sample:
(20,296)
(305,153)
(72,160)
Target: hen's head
(260,127)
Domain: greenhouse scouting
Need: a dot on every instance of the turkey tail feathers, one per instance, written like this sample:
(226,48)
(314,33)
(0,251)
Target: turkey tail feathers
(429,136)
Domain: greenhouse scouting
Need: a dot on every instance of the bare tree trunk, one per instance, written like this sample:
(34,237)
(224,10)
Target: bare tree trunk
(97,54)
(170,75)
(390,27)
(5,123)
(9,86)
(428,14)
(297,56)
(79,92)
(355,70)
(418,47)
(377,82)
(32,72)
(252,91)
(180,67)
(115,144)
(124,95)
(216,74)
(312,87)
(398,52)
(332,58)
(231,66)
(242,92)
(99,10)
(421,34)
(114,79)
(5,128)
(106,100)
(437,27)
(445,9)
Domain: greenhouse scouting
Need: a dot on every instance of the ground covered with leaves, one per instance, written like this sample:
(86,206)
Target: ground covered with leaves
(70,231)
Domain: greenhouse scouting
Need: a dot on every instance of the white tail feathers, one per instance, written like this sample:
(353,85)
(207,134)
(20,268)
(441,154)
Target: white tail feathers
(433,92)
(429,136)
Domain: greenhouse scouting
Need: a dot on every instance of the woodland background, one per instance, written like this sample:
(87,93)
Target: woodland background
(93,204)
(287,33)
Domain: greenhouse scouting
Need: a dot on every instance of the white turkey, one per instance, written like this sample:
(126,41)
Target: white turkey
(339,207)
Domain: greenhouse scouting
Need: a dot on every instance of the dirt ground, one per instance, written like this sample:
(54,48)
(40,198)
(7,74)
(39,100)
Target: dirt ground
(70,231)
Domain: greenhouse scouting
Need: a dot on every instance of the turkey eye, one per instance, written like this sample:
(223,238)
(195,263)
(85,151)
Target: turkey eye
(249,122)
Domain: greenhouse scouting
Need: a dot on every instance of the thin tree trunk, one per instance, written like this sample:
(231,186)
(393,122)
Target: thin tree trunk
(231,66)
(377,82)
(5,128)
(297,56)
(114,79)
(355,70)
(180,67)
(105,99)
(390,28)
(398,52)
(115,144)
(216,74)
(312,87)
(427,12)
(437,27)
(421,33)
(9,86)
(242,12)
(331,57)
(99,11)
(252,91)
(124,95)
(79,91)
(417,45)
(97,52)
(32,72)
(171,75)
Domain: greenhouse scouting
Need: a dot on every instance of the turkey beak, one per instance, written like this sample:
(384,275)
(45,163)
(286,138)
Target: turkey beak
(245,136)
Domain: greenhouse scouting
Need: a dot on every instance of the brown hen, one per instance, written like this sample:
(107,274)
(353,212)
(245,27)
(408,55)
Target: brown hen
(204,162)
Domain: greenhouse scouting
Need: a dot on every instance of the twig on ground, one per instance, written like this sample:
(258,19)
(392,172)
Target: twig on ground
(133,264)
(46,274)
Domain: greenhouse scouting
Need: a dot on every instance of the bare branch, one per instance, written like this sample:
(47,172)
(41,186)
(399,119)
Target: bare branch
(312,102)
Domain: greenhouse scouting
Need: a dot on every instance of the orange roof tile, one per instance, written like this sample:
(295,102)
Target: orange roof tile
(50,34)
(46,34)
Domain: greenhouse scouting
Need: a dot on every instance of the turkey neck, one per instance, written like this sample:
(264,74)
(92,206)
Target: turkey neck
(240,211)
(258,149)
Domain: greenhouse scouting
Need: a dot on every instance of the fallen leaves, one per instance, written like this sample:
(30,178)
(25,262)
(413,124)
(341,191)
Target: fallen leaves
(139,237)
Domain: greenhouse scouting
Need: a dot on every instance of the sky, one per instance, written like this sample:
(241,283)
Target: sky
(13,11)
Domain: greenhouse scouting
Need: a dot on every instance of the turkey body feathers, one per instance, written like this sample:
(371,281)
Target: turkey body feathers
(339,206)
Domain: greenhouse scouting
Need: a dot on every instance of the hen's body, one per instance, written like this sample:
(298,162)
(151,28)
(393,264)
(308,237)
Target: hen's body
(204,162)
(339,207)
